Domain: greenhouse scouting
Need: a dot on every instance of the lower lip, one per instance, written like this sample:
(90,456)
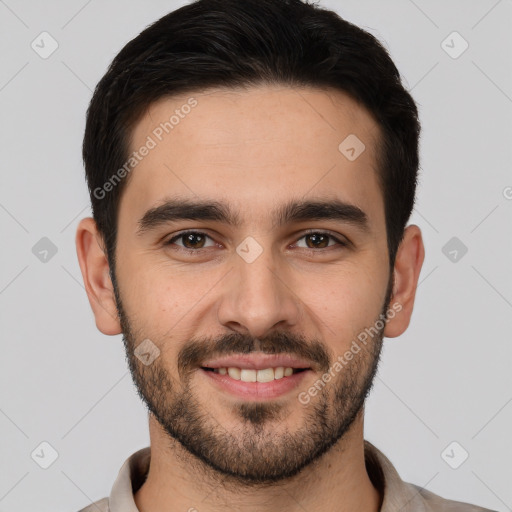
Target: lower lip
(256,390)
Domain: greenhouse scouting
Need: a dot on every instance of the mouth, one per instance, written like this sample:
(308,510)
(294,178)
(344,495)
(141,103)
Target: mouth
(255,377)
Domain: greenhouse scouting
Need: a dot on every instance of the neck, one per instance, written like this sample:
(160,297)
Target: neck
(338,481)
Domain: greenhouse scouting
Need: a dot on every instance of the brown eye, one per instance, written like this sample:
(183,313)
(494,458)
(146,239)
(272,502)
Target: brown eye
(320,240)
(189,240)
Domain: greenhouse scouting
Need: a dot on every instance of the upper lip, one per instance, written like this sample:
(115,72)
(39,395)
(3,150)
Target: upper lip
(257,362)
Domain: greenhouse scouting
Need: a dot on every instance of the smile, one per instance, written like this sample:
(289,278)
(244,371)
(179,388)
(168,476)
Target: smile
(250,375)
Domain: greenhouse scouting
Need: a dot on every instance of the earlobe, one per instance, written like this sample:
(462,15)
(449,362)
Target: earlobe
(95,272)
(408,263)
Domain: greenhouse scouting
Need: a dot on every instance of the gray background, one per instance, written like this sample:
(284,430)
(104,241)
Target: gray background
(446,379)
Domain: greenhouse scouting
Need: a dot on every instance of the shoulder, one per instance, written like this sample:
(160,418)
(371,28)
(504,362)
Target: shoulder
(436,503)
(97,506)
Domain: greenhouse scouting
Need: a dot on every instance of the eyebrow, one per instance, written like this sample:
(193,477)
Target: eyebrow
(177,209)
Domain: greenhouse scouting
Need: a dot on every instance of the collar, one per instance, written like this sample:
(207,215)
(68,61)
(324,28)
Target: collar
(397,494)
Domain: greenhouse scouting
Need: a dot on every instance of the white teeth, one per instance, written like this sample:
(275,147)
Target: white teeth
(265,375)
(234,373)
(247,375)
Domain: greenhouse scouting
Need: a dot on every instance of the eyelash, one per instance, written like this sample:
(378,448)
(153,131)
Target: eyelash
(195,251)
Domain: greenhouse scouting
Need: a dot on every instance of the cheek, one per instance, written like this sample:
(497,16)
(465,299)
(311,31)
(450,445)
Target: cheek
(164,297)
(342,303)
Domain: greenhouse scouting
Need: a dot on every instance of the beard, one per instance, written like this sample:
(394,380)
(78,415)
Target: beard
(259,450)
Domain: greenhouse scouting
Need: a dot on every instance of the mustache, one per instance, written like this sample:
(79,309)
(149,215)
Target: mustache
(196,351)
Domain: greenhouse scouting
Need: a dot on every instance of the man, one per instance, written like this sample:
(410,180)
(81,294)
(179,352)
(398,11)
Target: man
(252,166)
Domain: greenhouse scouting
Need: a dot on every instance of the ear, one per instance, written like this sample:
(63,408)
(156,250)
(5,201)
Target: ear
(93,262)
(408,263)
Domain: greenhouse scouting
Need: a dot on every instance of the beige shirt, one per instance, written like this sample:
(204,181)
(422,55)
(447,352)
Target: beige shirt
(398,495)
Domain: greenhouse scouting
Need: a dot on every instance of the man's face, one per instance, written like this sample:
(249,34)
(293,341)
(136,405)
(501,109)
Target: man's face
(302,286)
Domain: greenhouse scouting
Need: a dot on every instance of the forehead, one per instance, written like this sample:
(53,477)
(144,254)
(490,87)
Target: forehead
(255,148)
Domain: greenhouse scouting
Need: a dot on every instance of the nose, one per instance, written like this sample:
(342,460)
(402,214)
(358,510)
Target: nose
(258,297)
